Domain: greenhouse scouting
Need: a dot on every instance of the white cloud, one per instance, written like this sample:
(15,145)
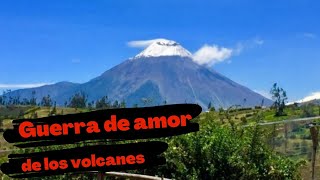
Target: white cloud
(142,43)
(249,44)
(75,61)
(264,93)
(258,41)
(312,96)
(17,86)
(309,35)
(210,55)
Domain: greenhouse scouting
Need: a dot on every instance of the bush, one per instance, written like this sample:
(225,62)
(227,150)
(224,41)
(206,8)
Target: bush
(292,136)
(304,147)
(222,152)
(243,119)
(249,115)
(307,111)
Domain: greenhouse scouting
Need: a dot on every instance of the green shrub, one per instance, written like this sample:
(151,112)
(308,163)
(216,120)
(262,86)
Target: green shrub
(222,152)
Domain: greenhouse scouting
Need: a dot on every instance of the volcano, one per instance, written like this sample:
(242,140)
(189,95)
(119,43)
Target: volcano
(163,72)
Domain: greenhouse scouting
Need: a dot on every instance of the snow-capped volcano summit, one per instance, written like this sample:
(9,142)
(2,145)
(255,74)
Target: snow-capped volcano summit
(164,47)
(169,75)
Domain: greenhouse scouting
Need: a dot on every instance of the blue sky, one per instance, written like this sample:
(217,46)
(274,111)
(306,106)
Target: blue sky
(52,41)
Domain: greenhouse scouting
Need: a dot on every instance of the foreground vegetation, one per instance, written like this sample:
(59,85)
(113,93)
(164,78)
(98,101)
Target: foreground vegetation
(229,145)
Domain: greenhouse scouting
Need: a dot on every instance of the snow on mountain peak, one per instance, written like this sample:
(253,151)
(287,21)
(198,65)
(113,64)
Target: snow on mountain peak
(164,47)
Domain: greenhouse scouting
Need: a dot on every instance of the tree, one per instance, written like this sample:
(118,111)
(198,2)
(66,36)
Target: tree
(1,125)
(54,110)
(103,103)
(244,102)
(307,111)
(123,104)
(209,105)
(280,97)
(46,101)
(116,104)
(165,102)
(78,100)
(33,100)
(34,115)
(146,101)
(21,114)
(5,97)
(212,109)
(90,106)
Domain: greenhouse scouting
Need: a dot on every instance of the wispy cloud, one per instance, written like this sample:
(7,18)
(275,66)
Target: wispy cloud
(17,86)
(210,55)
(258,41)
(309,35)
(248,44)
(75,61)
(142,43)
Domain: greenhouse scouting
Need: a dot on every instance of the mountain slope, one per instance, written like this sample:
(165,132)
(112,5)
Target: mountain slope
(54,90)
(177,79)
(164,71)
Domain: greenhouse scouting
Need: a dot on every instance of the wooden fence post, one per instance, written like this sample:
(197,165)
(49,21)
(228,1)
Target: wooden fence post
(314,135)
(100,176)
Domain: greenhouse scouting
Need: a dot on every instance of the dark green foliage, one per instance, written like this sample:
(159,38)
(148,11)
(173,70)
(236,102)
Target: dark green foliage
(33,100)
(218,151)
(165,102)
(209,105)
(21,114)
(257,107)
(103,103)
(307,111)
(224,152)
(1,125)
(240,109)
(122,104)
(90,106)
(243,119)
(79,100)
(280,97)
(54,110)
(35,115)
(304,147)
(6,99)
(46,101)
(13,112)
(116,104)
